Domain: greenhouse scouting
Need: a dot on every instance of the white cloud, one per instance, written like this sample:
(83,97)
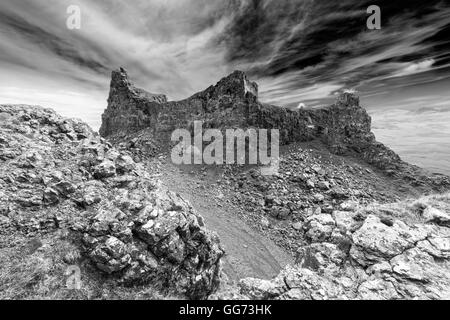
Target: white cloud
(413,68)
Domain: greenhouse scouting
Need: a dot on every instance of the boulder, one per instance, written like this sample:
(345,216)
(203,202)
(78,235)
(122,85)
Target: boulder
(375,241)
(319,227)
(106,169)
(434,215)
(119,219)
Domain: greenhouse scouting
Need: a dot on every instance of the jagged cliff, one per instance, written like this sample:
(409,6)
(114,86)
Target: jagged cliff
(345,126)
(231,103)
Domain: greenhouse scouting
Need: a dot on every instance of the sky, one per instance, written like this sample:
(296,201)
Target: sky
(299,51)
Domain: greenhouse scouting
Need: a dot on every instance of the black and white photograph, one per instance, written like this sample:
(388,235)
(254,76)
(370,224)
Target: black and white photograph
(224,155)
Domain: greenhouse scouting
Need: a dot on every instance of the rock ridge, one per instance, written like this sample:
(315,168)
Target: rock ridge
(147,120)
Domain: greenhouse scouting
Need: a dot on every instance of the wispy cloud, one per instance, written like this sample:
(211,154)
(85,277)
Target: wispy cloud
(298,50)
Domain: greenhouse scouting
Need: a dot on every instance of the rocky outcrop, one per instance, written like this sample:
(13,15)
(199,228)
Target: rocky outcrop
(129,108)
(365,254)
(233,103)
(57,174)
(145,122)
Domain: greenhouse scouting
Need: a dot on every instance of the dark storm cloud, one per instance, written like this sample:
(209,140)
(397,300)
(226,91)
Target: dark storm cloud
(328,42)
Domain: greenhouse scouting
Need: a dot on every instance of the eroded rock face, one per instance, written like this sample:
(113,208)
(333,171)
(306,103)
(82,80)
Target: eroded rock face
(144,122)
(55,173)
(128,107)
(367,258)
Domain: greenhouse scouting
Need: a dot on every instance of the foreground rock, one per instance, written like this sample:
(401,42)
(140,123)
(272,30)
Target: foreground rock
(365,255)
(56,174)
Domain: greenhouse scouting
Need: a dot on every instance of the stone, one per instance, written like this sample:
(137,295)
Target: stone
(109,215)
(297,226)
(438,247)
(111,256)
(257,289)
(265,222)
(124,164)
(375,241)
(92,193)
(318,197)
(61,183)
(106,169)
(280,212)
(382,267)
(269,199)
(4,221)
(349,205)
(172,247)
(345,220)
(377,289)
(320,255)
(29,198)
(64,188)
(51,195)
(339,193)
(413,264)
(433,215)
(319,227)
(324,185)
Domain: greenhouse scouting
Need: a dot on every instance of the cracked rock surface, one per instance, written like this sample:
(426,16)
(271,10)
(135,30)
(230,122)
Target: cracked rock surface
(56,174)
(363,255)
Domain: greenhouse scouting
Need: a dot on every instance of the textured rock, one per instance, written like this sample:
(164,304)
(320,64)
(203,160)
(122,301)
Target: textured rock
(319,227)
(437,216)
(106,169)
(369,260)
(56,173)
(128,106)
(345,220)
(262,289)
(375,241)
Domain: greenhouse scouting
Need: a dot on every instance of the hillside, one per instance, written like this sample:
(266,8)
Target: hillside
(68,199)
(339,219)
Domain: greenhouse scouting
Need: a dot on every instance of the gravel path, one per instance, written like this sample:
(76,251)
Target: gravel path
(249,254)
